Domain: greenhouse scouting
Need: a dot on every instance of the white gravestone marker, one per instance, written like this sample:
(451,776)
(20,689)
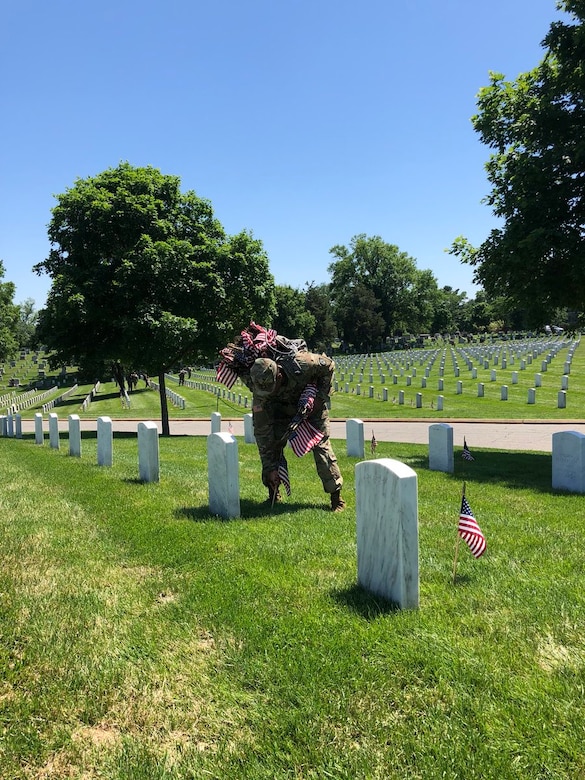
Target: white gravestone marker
(223,475)
(441,448)
(105,450)
(354,432)
(148,453)
(568,461)
(387,530)
(74,436)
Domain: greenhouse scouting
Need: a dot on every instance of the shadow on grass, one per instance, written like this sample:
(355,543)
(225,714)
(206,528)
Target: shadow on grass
(513,469)
(368,605)
(249,510)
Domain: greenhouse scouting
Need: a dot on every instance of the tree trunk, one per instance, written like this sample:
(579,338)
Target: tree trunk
(164,409)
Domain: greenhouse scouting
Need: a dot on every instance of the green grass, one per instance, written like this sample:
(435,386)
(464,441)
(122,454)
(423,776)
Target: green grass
(143,638)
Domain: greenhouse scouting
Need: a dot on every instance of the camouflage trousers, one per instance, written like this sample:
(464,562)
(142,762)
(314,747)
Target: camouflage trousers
(323,454)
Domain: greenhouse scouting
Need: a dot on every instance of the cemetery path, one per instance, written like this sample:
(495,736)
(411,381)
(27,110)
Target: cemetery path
(496,434)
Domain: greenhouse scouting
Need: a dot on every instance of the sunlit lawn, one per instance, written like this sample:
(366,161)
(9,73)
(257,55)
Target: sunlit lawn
(142,638)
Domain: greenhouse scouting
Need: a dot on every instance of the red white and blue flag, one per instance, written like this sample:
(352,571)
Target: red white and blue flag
(304,438)
(470,531)
(226,375)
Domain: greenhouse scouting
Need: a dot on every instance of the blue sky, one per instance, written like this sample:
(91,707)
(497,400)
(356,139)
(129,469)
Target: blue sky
(306,122)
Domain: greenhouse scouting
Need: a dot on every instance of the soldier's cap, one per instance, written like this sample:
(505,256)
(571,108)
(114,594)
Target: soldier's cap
(263,375)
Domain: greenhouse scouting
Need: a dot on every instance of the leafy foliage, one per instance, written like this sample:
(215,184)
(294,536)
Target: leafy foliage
(9,316)
(145,274)
(534,124)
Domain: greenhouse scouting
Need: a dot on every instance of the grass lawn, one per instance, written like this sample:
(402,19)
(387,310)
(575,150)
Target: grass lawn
(143,639)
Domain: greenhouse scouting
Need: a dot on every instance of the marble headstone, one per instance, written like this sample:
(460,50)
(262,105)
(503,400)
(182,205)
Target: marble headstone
(354,432)
(148,452)
(105,447)
(387,530)
(223,475)
(74,436)
(441,447)
(568,461)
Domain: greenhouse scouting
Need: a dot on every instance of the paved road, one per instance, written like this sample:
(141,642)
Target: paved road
(510,435)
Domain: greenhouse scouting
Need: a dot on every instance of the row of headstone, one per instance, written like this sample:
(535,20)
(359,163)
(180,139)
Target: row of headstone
(147,433)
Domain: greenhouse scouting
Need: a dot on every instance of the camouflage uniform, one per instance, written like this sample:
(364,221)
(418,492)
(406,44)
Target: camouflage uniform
(272,414)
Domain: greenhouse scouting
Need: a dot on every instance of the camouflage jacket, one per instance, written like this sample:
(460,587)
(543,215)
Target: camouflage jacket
(272,415)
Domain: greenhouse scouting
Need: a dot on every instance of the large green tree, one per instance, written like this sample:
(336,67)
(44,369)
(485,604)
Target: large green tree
(292,319)
(9,314)
(145,274)
(318,303)
(401,294)
(534,125)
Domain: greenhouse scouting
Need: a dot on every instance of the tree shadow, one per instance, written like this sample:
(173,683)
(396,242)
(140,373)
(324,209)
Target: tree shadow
(513,469)
(366,604)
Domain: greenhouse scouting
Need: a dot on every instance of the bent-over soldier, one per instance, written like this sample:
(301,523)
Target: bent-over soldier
(287,394)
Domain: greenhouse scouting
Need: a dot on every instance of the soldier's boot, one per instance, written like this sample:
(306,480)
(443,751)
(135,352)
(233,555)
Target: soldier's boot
(337,503)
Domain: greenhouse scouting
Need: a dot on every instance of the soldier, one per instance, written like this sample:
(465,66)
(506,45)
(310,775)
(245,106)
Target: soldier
(278,387)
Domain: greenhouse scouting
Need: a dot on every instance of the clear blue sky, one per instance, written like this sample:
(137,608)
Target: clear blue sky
(306,122)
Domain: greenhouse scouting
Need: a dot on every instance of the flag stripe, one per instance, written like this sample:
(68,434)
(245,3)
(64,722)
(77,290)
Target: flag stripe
(470,531)
(305,438)
(226,375)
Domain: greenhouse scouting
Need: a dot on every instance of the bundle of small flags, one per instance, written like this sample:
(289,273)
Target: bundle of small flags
(254,341)
(466,454)
(470,531)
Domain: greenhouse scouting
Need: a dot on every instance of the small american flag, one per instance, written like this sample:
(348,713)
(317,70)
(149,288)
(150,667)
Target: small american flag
(470,531)
(226,375)
(283,474)
(373,444)
(304,438)
(230,428)
(466,454)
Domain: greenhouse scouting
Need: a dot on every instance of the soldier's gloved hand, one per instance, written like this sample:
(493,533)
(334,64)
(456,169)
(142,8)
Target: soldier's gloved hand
(273,480)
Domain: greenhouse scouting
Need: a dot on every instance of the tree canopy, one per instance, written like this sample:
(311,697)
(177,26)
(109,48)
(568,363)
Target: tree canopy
(9,316)
(145,274)
(534,124)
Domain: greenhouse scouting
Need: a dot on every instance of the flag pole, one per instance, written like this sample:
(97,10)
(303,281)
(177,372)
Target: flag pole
(458,540)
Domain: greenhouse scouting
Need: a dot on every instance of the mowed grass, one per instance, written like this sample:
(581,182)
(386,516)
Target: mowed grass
(143,638)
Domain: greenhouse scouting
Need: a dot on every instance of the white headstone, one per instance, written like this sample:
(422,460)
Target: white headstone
(504,393)
(148,453)
(531,395)
(105,449)
(39,435)
(568,461)
(74,436)
(249,437)
(387,530)
(54,430)
(223,475)
(215,422)
(562,399)
(354,434)
(441,447)
(18,426)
